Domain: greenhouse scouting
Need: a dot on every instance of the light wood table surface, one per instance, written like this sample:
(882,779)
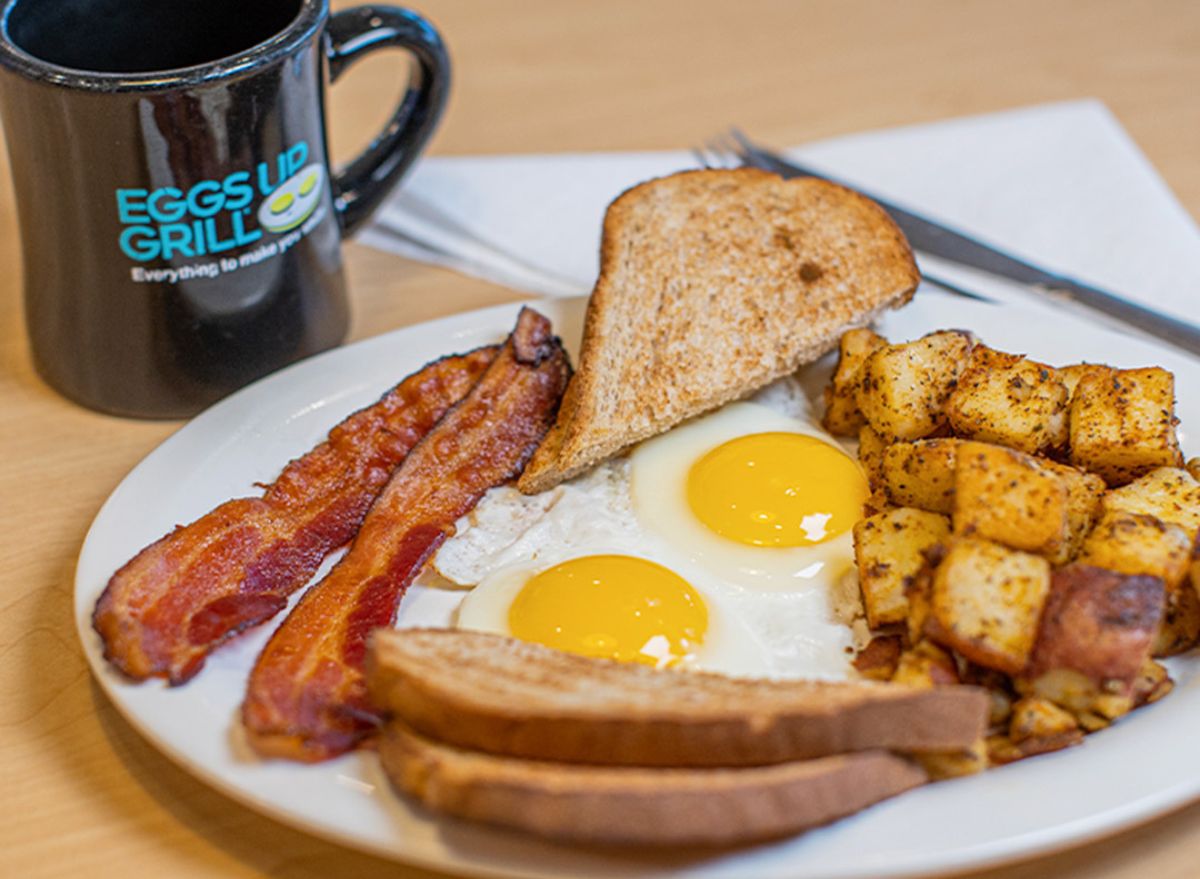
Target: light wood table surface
(81,792)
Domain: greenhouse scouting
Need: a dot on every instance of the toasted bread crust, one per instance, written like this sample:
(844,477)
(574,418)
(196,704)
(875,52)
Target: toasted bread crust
(640,807)
(713,284)
(494,694)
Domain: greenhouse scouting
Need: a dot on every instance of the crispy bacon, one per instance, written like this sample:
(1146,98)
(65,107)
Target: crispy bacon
(175,601)
(306,698)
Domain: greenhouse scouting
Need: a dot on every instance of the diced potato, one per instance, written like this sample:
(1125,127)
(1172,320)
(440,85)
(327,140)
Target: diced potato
(903,388)
(1123,423)
(926,665)
(1084,491)
(1007,497)
(921,474)
(1010,400)
(842,417)
(889,551)
(1168,493)
(871,447)
(1070,375)
(1193,467)
(940,765)
(1094,639)
(919,592)
(1152,684)
(1134,543)
(986,601)
(1036,718)
(879,659)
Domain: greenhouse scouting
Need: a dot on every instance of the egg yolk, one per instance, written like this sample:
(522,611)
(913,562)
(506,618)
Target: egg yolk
(777,489)
(611,606)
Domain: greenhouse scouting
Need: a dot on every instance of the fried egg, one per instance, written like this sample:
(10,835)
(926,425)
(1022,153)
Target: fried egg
(614,605)
(294,200)
(749,508)
(763,499)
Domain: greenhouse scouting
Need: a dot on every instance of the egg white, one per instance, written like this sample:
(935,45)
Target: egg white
(658,486)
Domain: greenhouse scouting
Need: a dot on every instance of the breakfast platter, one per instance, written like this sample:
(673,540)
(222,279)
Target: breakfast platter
(1143,765)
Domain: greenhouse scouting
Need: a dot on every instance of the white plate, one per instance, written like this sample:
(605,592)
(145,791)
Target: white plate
(1145,765)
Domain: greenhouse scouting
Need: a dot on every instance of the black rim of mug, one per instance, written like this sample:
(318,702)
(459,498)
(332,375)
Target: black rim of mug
(280,45)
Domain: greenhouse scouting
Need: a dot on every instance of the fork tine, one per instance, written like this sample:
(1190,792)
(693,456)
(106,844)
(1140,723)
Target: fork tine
(701,157)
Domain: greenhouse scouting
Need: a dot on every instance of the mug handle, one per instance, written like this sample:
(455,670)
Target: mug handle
(353,33)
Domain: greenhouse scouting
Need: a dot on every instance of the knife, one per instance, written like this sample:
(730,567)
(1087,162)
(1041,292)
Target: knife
(942,241)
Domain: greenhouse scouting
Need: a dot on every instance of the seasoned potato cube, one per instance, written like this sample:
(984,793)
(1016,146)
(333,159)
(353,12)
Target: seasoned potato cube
(1010,400)
(1036,718)
(921,474)
(1070,375)
(1084,492)
(889,551)
(1193,467)
(919,591)
(903,388)
(1005,496)
(871,447)
(842,417)
(926,665)
(939,765)
(1123,423)
(1168,493)
(1094,639)
(1134,543)
(1152,684)
(880,658)
(986,601)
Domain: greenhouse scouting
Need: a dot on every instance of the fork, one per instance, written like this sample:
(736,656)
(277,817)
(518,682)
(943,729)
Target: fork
(734,150)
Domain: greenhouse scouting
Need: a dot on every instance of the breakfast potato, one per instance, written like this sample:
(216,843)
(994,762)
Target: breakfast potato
(1134,543)
(1094,641)
(871,447)
(1152,684)
(940,765)
(1170,494)
(842,417)
(1122,423)
(879,660)
(903,389)
(889,550)
(1084,493)
(1193,467)
(1070,375)
(1010,400)
(921,474)
(919,592)
(1038,726)
(926,665)
(1007,497)
(985,603)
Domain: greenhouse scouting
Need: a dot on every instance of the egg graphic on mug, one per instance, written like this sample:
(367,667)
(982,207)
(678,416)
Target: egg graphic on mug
(294,200)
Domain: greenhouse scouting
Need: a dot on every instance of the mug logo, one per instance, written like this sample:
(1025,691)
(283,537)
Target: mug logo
(215,218)
(293,201)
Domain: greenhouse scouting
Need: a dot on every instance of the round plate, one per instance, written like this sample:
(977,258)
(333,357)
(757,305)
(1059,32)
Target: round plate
(1146,764)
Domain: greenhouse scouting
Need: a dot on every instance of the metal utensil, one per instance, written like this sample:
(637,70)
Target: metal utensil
(935,239)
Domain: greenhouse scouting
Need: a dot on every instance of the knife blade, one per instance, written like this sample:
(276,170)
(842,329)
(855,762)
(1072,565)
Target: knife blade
(939,240)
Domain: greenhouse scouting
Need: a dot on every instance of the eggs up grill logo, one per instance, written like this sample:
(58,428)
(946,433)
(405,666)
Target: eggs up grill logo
(216,217)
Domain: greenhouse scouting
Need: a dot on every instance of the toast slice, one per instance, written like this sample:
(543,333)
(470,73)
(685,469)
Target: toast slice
(490,693)
(640,807)
(713,284)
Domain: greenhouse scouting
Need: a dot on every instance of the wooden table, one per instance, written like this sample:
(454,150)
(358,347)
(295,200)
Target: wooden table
(82,792)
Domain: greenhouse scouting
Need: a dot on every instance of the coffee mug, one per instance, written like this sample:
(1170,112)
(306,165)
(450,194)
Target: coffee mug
(181,226)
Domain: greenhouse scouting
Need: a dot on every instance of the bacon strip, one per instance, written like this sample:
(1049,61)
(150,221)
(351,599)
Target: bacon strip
(306,698)
(175,601)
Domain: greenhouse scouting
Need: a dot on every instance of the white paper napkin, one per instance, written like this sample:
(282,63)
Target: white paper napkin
(1061,185)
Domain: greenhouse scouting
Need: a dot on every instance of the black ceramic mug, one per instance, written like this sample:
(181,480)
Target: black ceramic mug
(181,227)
